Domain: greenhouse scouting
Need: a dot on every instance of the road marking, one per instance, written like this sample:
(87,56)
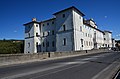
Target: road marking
(41,70)
(75,62)
(32,72)
(55,71)
(101,73)
(88,58)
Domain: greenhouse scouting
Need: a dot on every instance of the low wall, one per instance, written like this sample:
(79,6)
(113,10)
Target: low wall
(6,59)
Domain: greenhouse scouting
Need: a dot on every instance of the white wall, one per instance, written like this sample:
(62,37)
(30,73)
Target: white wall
(108,39)
(48,38)
(67,34)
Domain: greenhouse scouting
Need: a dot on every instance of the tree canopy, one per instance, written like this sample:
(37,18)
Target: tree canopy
(11,47)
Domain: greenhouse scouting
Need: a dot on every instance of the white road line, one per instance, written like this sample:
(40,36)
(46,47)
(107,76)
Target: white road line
(88,58)
(56,71)
(102,72)
(32,72)
(75,62)
(41,70)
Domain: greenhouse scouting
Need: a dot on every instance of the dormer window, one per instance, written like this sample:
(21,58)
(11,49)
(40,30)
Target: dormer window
(63,15)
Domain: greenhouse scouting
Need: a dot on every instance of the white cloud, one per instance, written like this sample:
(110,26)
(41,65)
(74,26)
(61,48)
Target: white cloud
(105,16)
(15,30)
(118,35)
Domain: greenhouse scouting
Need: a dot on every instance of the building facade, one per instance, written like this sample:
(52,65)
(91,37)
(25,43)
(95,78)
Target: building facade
(67,31)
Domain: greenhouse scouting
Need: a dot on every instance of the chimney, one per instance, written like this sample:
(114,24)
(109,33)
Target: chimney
(34,19)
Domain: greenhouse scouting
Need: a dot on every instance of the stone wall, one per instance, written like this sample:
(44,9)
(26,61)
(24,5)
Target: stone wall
(6,59)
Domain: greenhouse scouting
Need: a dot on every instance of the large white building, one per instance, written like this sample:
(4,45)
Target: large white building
(67,31)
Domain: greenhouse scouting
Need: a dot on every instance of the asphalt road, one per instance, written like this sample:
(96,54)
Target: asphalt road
(95,66)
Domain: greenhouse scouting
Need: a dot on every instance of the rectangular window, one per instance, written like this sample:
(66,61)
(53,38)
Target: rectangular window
(36,43)
(47,23)
(80,17)
(86,34)
(43,34)
(53,44)
(28,34)
(53,22)
(47,44)
(64,28)
(87,43)
(52,32)
(48,33)
(37,35)
(43,44)
(63,15)
(82,42)
(43,24)
(28,45)
(64,41)
(81,28)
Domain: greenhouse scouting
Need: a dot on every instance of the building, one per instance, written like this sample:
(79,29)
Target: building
(67,31)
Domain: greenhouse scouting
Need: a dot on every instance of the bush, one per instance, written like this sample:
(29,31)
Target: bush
(11,47)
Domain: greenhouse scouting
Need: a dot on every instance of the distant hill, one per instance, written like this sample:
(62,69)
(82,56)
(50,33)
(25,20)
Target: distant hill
(11,46)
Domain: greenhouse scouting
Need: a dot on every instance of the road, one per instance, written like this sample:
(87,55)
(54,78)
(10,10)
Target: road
(94,66)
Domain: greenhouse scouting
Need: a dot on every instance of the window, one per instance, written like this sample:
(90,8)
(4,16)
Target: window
(37,35)
(104,39)
(36,43)
(52,32)
(43,44)
(47,23)
(86,34)
(82,42)
(53,22)
(87,43)
(53,44)
(28,34)
(36,25)
(28,45)
(81,28)
(64,28)
(48,33)
(43,34)
(47,44)
(63,15)
(64,41)
(80,17)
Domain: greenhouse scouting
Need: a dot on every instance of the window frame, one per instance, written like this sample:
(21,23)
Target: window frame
(64,42)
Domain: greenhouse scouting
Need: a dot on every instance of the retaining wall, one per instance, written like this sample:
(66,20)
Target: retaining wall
(6,59)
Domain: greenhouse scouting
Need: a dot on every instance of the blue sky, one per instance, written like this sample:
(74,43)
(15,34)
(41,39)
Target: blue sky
(14,13)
